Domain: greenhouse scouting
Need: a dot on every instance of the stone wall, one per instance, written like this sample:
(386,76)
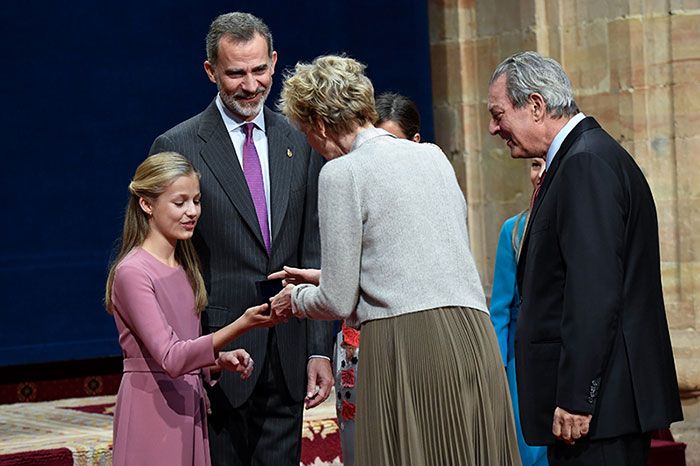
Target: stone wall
(635,66)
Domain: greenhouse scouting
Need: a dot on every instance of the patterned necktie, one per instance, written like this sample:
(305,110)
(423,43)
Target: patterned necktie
(253,176)
(537,190)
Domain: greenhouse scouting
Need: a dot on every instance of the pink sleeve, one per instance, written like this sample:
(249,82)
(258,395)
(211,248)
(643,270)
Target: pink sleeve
(135,301)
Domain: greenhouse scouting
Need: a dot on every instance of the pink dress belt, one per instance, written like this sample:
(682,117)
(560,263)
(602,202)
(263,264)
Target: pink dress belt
(148,365)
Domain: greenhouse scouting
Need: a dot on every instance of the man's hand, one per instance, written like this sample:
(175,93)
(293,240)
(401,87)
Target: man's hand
(294,276)
(570,427)
(319,380)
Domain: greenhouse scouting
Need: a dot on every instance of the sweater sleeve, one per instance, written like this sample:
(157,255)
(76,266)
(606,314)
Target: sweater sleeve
(135,302)
(340,224)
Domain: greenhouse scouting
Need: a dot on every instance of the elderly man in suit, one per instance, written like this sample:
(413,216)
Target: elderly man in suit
(259,212)
(594,362)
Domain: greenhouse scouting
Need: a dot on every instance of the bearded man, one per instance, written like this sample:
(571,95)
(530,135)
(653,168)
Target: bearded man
(259,182)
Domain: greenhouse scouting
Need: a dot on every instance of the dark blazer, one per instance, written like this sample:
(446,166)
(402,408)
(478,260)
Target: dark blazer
(592,335)
(230,244)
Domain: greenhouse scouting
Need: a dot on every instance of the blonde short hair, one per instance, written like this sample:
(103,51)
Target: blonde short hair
(332,89)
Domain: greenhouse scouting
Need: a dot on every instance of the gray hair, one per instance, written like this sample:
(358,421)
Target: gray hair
(239,27)
(528,73)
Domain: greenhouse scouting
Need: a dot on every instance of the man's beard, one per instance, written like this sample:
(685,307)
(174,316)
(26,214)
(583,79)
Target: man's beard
(245,110)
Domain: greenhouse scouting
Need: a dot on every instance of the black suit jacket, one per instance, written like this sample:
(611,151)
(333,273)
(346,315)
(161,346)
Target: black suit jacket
(230,244)
(592,335)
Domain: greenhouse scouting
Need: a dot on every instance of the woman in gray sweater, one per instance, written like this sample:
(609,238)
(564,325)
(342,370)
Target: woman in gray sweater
(396,261)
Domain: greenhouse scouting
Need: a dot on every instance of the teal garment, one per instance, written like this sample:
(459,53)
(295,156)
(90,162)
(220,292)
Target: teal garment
(505,305)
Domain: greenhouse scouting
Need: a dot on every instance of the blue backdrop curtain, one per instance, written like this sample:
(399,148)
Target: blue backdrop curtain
(87,86)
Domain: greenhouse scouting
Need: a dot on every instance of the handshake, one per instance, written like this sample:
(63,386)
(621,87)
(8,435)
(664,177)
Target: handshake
(277,289)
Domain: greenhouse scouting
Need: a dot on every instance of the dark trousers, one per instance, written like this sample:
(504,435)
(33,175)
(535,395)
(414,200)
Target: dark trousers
(627,450)
(263,431)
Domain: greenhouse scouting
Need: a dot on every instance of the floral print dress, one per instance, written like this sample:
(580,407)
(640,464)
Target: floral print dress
(346,358)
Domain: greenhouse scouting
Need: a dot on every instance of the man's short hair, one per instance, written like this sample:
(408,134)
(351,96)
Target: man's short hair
(239,27)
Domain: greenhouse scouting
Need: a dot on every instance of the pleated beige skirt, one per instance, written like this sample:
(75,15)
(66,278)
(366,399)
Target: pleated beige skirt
(432,391)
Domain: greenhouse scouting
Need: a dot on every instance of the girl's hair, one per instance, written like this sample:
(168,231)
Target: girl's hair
(151,179)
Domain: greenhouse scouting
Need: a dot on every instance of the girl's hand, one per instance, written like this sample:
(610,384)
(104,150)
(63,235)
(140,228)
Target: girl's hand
(260,316)
(236,361)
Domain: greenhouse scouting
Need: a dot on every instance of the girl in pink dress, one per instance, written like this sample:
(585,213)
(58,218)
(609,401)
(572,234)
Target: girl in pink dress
(156,292)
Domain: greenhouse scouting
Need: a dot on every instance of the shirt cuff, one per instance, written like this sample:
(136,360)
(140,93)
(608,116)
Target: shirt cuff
(314,356)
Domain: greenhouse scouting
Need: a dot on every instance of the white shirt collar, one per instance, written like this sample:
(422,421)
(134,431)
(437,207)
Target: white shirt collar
(232,122)
(561,135)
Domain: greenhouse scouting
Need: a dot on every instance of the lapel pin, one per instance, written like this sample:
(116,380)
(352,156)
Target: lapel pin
(289,152)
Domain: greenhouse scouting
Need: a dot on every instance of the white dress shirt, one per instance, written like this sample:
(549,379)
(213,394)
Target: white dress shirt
(236,132)
(561,135)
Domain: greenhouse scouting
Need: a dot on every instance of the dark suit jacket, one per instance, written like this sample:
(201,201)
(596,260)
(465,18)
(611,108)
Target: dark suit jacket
(230,245)
(592,335)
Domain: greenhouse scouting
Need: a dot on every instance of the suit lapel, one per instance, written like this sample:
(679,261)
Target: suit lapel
(280,155)
(585,124)
(220,156)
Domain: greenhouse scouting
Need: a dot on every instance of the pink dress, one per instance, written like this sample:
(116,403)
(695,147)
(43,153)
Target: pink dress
(160,416)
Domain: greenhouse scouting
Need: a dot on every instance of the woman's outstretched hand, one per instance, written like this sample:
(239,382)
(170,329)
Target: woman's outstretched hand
(281,304)
(294,276)
(236,361)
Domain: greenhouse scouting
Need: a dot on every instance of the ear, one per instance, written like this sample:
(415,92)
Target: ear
(416,137)
(209,69)
(273,62)
(146,206)
(539,106)
(320,127)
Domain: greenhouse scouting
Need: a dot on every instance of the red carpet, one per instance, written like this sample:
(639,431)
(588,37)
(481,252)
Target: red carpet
(79,431)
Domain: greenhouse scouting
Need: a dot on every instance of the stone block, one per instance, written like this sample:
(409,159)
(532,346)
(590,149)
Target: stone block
(688,168)
(591,10)
(689,236)
(680,316)
(515,41)
(603,106)
(666,212)
(685,33)
(680,6)
(471,118)
(488,57)
(454,22)
(657,50)
(688,431)
(658,114)
(453,3)
(446,72)
(506,179)
(670,280)
(495,18)
(686,110)
(448,128)
(626,36)
(585,56)
(648,8)
(686,345)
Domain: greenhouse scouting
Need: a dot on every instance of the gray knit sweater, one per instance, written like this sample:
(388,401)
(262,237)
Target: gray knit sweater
(393,234)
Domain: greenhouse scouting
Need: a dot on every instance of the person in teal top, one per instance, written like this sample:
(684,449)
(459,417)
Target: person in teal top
(505,304)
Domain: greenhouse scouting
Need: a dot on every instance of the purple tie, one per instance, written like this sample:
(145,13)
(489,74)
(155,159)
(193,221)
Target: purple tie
(254,178)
